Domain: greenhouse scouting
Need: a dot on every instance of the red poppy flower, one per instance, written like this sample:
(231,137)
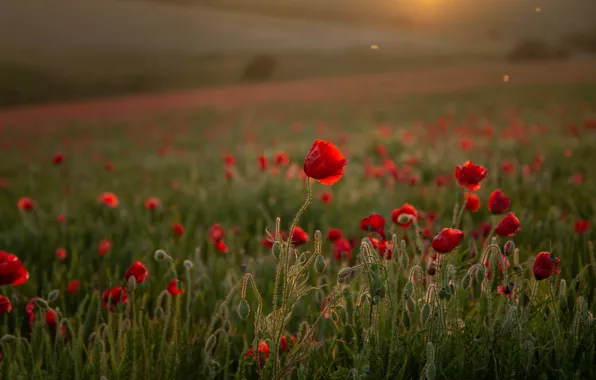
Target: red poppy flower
(442,180)
(466,144)
(174,287)
(229,160)
(472,202)
(138,271)
(113,296)
(109,199)
(108,166)
(382,246)
(263,351)
(498,202)
(73,286)
(299,236)
(61,254)
(341,248)
(178,229)
(582,226)
(152,203)
(334,234)
(281,159)
(283,344)
(373,223)
(324,162)
(503,264)
(262,162)
(507,167)
(508,226)
(12,271)
(58,158)
(405,209)
(5,305)
(545,264)
(470,175)
(268,243)
(577,179)
(381,150)
(326,197)
(26,204)
(447,240)
(104,246)
(216,233)
(60,218)
(221,246)
(506,290)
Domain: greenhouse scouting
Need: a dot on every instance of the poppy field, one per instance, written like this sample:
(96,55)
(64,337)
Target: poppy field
(441,236)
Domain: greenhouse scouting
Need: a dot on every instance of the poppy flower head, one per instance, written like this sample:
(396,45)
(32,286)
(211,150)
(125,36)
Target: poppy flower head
(504,264)
(334,234)
(373,223)
(174,287)
(104,247)
(60,218)
(446,240)
(138,271)
(12,271)
(216,233)
(58,158)
(324,162)
(498,202)
(326,197)
(152,203)
(281,159)
(544,265)
(507,167)
(109,199)
(299,236)
(262,162)
(506,290)
(229,160)
(470,175)
(114,296)
(581,226)
(472,202)
(108,166)
(269,240)
(61,254)
(73,287)
(221,246)
(406,209)
(26,204)
(508,226)
(5,305)
(341,249)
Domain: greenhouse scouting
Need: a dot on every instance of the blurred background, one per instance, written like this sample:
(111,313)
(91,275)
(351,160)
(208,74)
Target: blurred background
(64,50)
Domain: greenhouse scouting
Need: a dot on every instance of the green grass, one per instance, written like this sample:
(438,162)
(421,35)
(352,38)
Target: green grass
(386,321)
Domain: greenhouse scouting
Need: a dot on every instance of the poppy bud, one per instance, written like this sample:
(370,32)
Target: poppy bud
(320,264)
(409,289)
(158,312)
(8,338)
(41,303)
(425,313)
(276,249)
(404,260)
(406,320)
(53,296)
(344,273)
(334,316)
(132,283)
(432,269)
(343,316)
(159,255)
(509,247)
(243,309)
(411,305)
(210,344)
(431,371)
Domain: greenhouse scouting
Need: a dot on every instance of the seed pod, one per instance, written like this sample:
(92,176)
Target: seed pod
(425,314)
(320,264)
(243,309)
(276,249)
(406,320)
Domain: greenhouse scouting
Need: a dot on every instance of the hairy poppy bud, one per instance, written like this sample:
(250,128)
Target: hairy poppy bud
(276,249)
(509,247)
(243,309)
(425,313)
(406,320)
(8,338)
(320,264)
(466,281)
(159,255)
(344,274)
(54,294)
(411,305)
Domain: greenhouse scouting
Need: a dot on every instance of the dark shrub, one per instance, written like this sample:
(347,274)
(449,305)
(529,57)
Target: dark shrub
(259,68)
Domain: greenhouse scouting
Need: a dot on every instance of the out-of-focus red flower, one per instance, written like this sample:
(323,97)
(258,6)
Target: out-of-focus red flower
(506,290)
(465,144)
(262,162)
(381,150)
(108,199)
(12,271)
(60,218)
(61,254)
(108,166)
(174,287)
(447,240)
(299,236)
(152,203)
(26,204)
(577,179)
(442,180)
(5,305)
(178,229)
(221,246)
(545,264)
(324,162)
(470,175)
(498,202)
(581,226)
(472,202)
(229,174)
(405,209)
(73,287)
(138,271)
(507,167)
(58,158)
(268,243)
(503,265)
(568,152)
(373,223)
(281,158)
(229,160)
(3,183)
(341,248)
(327,197)
(104,247)
(216,233)
(334,234)
(113,296)
(508,226)
(383,246)
(263,351)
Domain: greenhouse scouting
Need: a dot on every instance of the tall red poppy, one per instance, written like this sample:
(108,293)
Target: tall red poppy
(447,240)
(405,209)
(373,223)
(581,226)
(178,229)
(262,162)
(12,271)
(138,271)
(299,236)
(152,203)
(545,264)
(324,162)
(113,296)
(104,246)
(5,305)
(498,202)
(334,234)
(109,199)
(472,202)
(73,287)
(26,204)
(221,246)
(229,160)
(508,226)
(216,233)
(470,175)
(174,288)
(341,248)
(61,254)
